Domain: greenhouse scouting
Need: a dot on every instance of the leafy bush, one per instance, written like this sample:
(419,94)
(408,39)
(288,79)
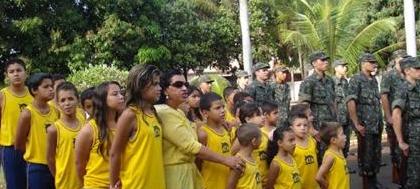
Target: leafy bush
(95,75)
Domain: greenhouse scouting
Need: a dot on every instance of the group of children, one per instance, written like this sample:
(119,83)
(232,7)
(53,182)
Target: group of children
(56,139)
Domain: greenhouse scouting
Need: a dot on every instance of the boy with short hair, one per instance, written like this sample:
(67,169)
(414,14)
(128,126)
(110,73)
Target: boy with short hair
(31,134)
(249,137)
(215,136)
(271,113)
(13,99)
(86,99)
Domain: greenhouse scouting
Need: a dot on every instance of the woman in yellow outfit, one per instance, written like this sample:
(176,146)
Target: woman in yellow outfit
(180,143)
(94,140)
(136,153)
(61,138)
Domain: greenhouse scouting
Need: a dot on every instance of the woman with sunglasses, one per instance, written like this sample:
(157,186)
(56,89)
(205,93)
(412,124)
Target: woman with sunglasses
(180,143)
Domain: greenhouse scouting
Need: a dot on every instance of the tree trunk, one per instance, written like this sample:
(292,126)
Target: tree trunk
(246,40)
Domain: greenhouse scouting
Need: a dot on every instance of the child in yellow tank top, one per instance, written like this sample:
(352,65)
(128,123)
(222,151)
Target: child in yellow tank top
(305,153)
(13,99)
(249,138)
(283,172)
(214,135)
(137,153)
(333,172)
(94,140)
(31,135)
(62,137)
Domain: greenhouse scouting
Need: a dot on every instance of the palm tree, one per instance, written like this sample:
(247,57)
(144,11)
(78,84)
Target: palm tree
(333,26)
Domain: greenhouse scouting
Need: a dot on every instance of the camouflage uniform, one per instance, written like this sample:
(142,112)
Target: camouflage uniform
(282,99)
(390,83)
(260,92)
(364,91)
(341,87)
(319,92)
(407,98)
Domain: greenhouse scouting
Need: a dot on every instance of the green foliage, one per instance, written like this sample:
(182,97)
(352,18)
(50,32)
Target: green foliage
(95,75)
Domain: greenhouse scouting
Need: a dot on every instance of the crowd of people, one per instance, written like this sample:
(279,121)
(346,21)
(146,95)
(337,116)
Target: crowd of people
(159,132)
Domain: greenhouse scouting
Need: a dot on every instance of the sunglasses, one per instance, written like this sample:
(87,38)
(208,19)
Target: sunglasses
(180,84)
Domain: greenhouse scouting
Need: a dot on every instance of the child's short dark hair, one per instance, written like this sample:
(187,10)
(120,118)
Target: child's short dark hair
(207,99)
(268,107)
(35,80)
(328,130)
(248,110)
(55,77)
(246,132)
(240,96)
(293,117)
(14,61)
(228,91)
(66,86)
(87,94)
(299,109)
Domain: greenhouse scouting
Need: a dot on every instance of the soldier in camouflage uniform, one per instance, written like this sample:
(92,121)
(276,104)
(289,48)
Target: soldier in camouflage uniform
(260,89)
(281,94)
(318,91)
(365,113)
(391,81)
(341,87)
(406,108)
(242,80)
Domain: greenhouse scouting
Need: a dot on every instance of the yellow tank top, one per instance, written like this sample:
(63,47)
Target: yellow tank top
(36,144)
(66,172)
(260,155)
(215,175)
(338,175)
(12,105)
(306,160)
(142,160)
(97,168)
(251,177)
(229,117)
(289,177)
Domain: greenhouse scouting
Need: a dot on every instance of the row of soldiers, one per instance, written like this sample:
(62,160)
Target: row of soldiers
(357,104)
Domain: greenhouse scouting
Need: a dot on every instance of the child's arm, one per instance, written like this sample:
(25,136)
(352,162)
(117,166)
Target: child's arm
(22,131)
(83,145)
(235,146)
(234,176)
(323,170)
(202,138)
(273,173)
(51,147)
(125,125)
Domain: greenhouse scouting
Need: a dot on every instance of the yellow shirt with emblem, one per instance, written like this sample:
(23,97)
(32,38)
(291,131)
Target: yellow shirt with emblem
(12,105)
(289,177)
(338,175)
(306,160)
(97,168)
(260,155)
(36,143)
(215,175)
(66,171)
(251,177)
(142,160)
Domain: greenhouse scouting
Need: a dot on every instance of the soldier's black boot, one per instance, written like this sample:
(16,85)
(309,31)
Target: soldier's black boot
(365,182)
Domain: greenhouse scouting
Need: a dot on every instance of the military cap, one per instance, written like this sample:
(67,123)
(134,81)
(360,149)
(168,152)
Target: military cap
(259,66)
(398,54)
(318,55)
(339,62)
(281,69)
(241,73)
(410,62)
(367,57)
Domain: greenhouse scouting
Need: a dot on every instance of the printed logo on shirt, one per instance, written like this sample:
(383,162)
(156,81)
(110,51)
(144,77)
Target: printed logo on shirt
(156,130)
(225,147)
(22,106)
(309,159)
(258,177)
(296,177)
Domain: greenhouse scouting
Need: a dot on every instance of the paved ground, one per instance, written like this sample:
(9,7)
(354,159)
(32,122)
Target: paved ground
(384,176)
